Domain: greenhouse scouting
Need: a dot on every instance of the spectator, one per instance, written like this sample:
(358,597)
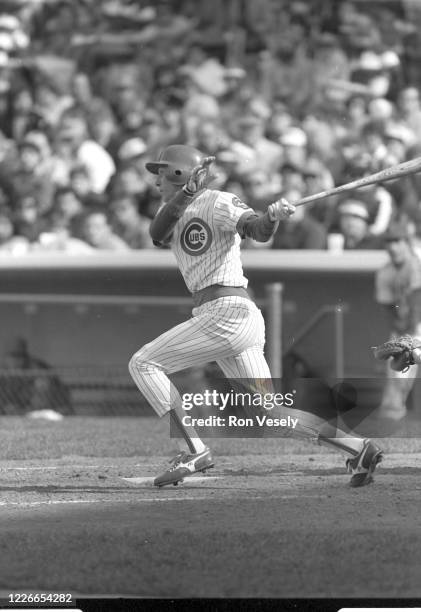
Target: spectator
(6,227)
(234,77)
(291,73)
(128,223)
(302,231)
(292,177)
(253,147)
(129,180)
(103,95)
(73,131)
(155,132)
(9,242)
(373,144)
(238,95)
(404,191)
(318,178)
(30,172)
(99,116)
(409,112)
(259,189)
(28,221)
(122,90)
(371,72)
(130,127)
(354,226)
(97,231)
(377,198)
(381,111)
(32,384)
(67,209)
(207,72)
(280,121)
(210,138)
(132,152)
(357,28)
(323,140)
(294,146)
(398,292)
(356,115)
(397,140)
(81,183)
(102,127)
(50,104)
(59,238)
(198,105)
(329,62)
(22,116)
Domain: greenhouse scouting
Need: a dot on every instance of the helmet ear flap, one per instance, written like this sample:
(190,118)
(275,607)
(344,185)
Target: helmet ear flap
(177,175)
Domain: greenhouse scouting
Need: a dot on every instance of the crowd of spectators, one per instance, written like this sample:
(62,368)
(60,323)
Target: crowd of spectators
(292,97)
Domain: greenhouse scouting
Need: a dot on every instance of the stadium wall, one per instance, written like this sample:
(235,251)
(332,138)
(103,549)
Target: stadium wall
(54,301)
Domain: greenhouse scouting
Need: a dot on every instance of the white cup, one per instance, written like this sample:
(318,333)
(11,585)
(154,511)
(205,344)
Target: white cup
(335,243)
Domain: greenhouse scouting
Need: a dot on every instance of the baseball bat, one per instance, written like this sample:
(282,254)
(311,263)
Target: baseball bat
(393,172)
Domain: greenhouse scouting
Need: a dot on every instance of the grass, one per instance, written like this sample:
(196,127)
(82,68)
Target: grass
(26,439)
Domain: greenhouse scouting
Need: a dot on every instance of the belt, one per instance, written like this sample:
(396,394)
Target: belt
(213,292)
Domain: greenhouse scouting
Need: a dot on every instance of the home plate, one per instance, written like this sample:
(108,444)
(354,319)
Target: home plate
(190,480)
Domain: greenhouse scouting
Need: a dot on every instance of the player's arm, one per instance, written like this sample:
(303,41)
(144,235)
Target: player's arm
(163,224)
(262,227)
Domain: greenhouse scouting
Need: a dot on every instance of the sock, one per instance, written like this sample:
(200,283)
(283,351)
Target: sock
(189,433)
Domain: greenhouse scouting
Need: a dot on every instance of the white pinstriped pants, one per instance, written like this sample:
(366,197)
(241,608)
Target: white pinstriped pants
(229,330)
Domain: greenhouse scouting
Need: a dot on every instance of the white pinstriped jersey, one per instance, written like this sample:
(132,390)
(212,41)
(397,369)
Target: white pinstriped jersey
(206,243)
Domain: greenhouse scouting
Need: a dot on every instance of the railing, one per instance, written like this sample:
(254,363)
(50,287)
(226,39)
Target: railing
(272,304)
(338,334)
(56,279)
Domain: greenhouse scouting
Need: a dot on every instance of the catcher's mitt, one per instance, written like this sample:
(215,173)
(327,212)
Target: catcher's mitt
(399,349)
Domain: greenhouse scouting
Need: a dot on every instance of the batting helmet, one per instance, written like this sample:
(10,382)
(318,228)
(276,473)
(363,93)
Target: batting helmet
(178,162)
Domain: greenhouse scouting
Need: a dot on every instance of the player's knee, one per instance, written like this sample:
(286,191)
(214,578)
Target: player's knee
(140,362)
(137,363)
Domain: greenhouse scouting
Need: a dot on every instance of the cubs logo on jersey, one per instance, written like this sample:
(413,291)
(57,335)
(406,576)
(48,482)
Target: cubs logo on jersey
(196,237)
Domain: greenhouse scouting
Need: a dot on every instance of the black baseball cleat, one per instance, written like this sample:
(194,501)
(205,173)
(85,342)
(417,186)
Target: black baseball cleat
(184,465)
(364,464)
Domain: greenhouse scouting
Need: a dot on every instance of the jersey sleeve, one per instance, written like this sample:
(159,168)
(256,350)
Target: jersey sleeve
(228,210)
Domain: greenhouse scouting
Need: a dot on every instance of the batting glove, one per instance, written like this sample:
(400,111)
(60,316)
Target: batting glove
(200,177)
(280,210)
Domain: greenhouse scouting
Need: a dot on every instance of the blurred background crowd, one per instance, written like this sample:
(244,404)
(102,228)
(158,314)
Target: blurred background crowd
(292,96)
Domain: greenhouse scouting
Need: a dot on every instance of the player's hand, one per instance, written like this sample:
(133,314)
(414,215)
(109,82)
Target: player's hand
(200,176)
(280,210)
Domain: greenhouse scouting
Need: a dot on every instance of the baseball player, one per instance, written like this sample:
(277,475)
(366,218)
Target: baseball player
(398,290)
(204,228)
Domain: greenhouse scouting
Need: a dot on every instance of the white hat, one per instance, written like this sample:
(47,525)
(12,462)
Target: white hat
(380,108)
(133,147)
(354,208)
(294,136)
(234,73)
(9,22)
(370,61)
(390,59)
(395,131)
(6,41)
